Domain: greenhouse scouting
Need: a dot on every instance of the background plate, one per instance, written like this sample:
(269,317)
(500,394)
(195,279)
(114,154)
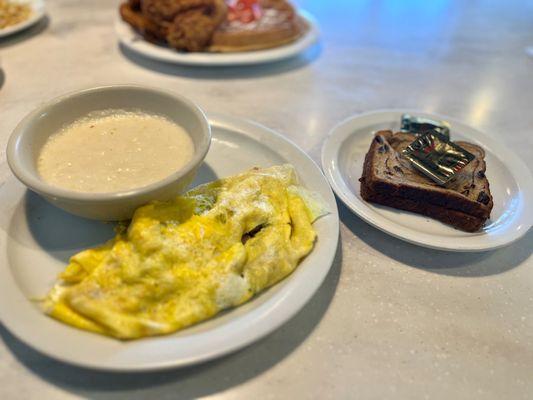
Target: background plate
(510,181)
(36,240)
(38,13)
(133,41)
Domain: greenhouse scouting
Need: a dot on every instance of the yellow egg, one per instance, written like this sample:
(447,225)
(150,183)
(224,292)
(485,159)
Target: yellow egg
(183,261)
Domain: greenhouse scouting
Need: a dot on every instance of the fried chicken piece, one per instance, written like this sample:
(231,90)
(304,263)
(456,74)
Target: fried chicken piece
(190,23)
(167,10)
(135,4)
(192,30)
(130,13)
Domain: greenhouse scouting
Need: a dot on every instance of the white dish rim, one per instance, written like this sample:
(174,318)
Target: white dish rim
(38,8)
(292,297)
(133,42)
(329,156)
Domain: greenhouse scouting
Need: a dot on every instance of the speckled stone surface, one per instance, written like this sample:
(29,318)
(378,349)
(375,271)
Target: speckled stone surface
(392,320)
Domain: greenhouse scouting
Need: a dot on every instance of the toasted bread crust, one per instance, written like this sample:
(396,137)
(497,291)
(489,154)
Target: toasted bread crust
(457,219)
(443,204)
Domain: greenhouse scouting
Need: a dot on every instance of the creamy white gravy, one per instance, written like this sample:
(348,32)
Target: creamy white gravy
(114,150)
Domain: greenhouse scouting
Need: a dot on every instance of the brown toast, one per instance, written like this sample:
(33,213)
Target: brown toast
(390,179)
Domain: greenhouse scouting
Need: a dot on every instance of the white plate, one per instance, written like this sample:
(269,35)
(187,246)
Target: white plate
(510,180)
(38,13)
(36,240)
(133,41)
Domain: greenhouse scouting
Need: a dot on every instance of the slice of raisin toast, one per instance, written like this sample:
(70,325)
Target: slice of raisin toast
(390,179)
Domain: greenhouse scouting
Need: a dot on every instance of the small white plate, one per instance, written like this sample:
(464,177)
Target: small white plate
(510,180)
(38,13)
(36,240)
(136,43)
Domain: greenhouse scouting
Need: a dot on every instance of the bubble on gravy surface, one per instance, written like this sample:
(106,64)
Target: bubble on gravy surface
(114,150)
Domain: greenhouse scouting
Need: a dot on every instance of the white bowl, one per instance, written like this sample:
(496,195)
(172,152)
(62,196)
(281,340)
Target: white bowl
(32,132)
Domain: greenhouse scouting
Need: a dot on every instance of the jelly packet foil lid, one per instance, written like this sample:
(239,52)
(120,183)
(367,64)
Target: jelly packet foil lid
(437,157)
(420,125)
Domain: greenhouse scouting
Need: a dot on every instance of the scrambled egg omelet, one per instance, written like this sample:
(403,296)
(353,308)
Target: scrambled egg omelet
(182,261)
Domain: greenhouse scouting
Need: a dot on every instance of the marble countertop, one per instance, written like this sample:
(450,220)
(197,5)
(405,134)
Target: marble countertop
(392,320)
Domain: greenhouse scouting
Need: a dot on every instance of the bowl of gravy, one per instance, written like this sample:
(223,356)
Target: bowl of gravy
(100,153)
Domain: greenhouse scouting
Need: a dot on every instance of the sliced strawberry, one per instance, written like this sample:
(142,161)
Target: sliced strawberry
(244,10)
